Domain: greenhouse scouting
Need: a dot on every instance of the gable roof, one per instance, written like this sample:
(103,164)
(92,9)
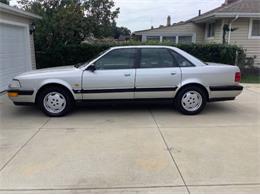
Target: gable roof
(243,8)
(161,27)
(18,12)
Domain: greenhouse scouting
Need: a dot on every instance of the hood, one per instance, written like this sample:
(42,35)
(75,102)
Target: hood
(49,71)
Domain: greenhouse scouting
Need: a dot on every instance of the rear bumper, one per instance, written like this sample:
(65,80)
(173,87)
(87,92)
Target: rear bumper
(226,88)
(224,92)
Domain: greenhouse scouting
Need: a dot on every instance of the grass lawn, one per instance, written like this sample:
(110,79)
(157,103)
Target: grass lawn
(250,79)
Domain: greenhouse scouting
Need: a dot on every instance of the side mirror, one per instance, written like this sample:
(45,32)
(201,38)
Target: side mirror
(91,68)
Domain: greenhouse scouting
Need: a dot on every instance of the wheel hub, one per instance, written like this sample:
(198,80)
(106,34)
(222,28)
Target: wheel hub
(54,102)
(191,101)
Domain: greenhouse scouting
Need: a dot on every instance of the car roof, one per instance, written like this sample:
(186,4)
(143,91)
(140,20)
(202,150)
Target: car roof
(142,46)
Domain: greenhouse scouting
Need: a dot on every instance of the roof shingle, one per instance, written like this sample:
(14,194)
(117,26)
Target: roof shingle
(240,6)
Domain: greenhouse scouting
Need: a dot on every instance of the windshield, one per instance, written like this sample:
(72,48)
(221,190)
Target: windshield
(79,65)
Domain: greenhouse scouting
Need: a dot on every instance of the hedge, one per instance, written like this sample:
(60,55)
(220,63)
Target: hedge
(73,54)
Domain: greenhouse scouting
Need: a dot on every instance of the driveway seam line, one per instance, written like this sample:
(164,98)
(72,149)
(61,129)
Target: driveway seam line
(168,149)
(252,91)
(230,184)
(20,149)
(131,187)
(175,127)
(101,188)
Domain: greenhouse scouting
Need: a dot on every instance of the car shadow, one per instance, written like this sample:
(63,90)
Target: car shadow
(102,106)
(167,107)
(211,108)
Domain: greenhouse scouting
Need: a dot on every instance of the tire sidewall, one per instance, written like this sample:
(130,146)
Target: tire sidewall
(65,93)
(178,100)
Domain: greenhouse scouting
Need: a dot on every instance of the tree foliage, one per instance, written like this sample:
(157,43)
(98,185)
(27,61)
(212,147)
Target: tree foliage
(66,22)
(4,1)
(117,31)
(72,54)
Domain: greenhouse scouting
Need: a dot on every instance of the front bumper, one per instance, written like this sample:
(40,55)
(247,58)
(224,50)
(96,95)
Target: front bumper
(21,96)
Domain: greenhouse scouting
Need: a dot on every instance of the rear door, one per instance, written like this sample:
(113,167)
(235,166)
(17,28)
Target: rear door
(113,78)
(158,74)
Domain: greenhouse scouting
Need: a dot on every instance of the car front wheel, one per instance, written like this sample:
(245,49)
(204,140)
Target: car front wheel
(55,101)
(191,100)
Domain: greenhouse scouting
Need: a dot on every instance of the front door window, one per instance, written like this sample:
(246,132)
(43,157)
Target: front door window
(117,59)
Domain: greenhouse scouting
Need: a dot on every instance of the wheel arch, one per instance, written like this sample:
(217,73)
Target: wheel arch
(53,84)
(201,86)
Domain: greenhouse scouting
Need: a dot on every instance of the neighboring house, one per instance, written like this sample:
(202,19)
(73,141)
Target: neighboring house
(17,53)
(242,16)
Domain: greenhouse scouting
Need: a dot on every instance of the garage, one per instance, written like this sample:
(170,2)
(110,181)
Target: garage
(14,58)
(17,53)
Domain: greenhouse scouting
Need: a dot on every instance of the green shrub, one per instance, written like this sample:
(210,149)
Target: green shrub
(73,54)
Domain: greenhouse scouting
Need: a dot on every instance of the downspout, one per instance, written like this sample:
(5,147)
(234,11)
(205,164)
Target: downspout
(230,28)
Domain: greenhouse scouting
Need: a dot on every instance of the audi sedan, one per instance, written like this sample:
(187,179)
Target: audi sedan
(129,73)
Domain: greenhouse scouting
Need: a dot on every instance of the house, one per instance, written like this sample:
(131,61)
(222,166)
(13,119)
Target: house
(234,22)
(17,53)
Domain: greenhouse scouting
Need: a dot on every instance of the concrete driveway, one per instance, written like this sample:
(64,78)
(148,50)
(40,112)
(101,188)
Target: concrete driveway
(132,149)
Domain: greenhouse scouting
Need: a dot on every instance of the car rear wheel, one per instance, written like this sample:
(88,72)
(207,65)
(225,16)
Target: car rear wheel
(55,101)
(191,100)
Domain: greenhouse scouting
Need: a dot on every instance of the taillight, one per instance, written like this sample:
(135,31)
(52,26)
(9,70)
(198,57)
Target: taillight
(237,77)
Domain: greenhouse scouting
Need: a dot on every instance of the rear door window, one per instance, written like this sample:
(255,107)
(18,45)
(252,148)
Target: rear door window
(156,58)
(182,62)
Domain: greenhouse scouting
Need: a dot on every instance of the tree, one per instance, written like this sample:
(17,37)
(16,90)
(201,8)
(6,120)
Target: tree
(100,16)
(118,31)
(5,1)
(70,21)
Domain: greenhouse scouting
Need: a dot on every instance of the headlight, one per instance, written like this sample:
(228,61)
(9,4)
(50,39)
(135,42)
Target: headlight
(15,84)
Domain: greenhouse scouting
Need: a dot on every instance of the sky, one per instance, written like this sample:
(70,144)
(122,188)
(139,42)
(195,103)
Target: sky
(142,14)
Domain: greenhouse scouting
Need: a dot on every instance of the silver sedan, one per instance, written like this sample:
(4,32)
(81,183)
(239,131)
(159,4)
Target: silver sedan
(129,73)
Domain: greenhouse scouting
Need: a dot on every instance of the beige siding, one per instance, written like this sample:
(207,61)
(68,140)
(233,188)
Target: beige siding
(181,29)
(15,19)
(240,37)
(218,33)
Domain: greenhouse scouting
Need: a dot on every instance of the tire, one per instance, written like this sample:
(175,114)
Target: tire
(55,101)
(191,100)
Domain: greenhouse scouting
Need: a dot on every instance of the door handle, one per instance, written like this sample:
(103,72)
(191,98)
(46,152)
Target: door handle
(127,75)
(173,73)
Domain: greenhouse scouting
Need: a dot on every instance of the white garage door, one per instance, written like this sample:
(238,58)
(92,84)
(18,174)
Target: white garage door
(14,53)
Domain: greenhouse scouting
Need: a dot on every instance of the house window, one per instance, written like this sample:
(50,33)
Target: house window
(171,39)
(255,31)
(185,39)
(211,30)
(153,38)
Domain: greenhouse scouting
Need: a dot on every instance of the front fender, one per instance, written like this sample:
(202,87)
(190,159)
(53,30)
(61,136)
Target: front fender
(59,82)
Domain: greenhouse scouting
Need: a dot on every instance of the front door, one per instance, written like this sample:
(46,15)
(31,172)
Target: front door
(114,77)
(158,74)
